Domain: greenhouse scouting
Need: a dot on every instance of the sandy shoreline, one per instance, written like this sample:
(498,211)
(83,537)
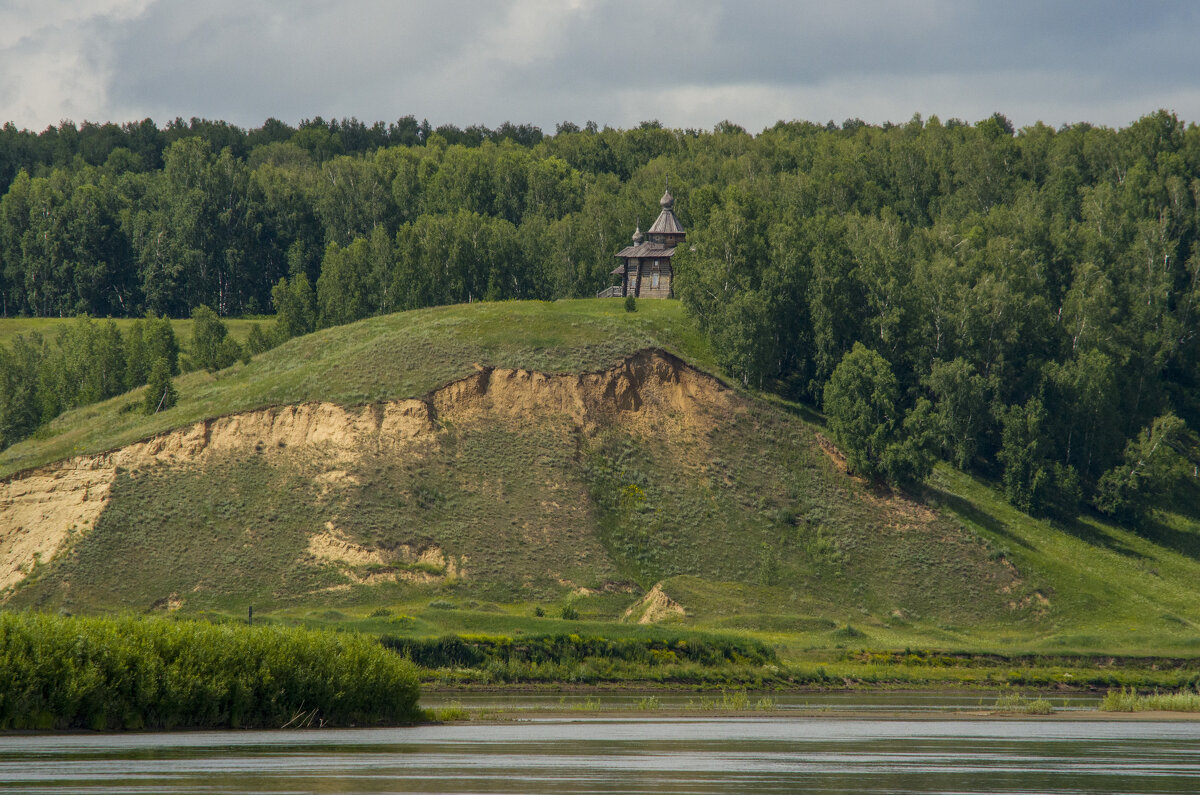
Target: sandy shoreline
(711,705)
(495,716)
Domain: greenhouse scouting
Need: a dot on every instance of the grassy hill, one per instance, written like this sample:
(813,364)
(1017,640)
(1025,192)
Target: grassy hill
(384,358)
(449,469)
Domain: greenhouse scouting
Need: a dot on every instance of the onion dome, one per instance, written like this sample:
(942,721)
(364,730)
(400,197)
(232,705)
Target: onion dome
(638,237)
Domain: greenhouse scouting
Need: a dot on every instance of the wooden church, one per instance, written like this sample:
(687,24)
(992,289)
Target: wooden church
(645,268)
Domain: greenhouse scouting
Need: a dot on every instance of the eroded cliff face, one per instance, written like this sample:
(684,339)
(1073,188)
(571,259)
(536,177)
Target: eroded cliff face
(40,511)
(651,392)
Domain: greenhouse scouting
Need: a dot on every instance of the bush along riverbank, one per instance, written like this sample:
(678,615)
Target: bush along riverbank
(570,658)
(1129,700)
(129,673)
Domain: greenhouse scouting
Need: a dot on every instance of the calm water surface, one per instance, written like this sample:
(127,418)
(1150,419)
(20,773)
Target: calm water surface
(824,754)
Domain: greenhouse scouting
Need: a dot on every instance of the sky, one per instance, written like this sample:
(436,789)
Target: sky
(685,63)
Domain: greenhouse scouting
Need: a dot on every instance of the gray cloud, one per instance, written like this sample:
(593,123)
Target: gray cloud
(687,63)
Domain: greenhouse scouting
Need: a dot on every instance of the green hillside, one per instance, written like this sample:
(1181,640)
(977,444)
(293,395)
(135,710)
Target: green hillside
(522,487)
(384,358)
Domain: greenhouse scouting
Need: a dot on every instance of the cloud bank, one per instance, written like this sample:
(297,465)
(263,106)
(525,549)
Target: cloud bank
(687,64)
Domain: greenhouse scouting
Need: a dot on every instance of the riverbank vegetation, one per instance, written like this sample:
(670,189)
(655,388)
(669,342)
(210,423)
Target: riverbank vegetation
(1020,704)
(486,647)
(129,673)
(694,659)
(1129,700)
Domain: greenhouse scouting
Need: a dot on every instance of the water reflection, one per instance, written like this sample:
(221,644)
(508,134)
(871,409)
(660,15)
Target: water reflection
(599,755)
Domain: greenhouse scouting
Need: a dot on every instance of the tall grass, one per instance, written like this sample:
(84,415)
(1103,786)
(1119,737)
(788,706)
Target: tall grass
(129,673)
(1017,702)
(1128,700)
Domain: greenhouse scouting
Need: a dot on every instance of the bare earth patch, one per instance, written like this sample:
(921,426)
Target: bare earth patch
(332,546)
(41,511)
(422,566)
(654,607)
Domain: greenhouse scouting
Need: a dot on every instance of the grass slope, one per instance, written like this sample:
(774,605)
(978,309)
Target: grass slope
(1108,587)
(751,525)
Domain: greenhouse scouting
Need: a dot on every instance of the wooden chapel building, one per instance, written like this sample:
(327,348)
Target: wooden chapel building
(645,268)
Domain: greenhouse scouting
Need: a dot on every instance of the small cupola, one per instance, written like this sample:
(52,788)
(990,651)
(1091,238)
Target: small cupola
(666,229)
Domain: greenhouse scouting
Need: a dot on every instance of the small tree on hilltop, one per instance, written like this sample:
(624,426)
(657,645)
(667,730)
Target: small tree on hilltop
(212,347)
(160,391)
(257,341)
(159,343)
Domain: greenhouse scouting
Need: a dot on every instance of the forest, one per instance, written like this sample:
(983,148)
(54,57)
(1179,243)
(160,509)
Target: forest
(1022,304)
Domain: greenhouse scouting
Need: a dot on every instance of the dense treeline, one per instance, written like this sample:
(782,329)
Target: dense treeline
(121,220)
(128,673)
(1024,302)
(88,361)
(1024,305)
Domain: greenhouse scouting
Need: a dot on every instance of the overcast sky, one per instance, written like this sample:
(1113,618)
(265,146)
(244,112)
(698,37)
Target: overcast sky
(687,63)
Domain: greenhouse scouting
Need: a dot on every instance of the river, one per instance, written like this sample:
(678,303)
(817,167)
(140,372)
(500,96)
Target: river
(823,753)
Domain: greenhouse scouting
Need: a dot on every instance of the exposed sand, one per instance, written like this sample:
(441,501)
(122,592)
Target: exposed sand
(39,512)
(654,607)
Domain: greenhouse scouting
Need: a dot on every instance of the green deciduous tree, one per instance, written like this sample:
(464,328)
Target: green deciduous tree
(345,289)
(160,390)
(258,341)
(959,411)
(1129,490)
(147,341)
(295,307)
(862,404)
(20,410)
(212,347)
(1033,480)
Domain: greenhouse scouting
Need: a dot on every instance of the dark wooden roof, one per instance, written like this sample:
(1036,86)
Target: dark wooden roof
(650,250)
(666,224)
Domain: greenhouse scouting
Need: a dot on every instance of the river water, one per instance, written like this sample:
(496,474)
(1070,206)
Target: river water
(600,754)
